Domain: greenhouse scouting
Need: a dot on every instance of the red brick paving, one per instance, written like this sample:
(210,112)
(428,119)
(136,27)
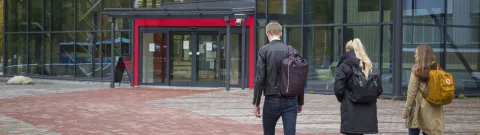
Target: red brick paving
(118,111)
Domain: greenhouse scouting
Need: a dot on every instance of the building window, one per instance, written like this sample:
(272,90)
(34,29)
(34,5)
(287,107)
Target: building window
(463,12)
(361,11)
(462,58)
(323,11)
(16,16)
(16,54)
(423,11)
(321,43)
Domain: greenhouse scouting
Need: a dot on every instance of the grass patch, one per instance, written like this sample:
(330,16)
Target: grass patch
(462,96)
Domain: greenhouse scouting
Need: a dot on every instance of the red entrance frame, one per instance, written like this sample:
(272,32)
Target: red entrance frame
(193,22)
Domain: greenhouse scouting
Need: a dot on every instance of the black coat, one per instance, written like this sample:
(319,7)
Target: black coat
(355,118)
(269,61)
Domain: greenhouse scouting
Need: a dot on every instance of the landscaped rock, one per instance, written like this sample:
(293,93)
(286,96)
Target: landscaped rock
(20,80)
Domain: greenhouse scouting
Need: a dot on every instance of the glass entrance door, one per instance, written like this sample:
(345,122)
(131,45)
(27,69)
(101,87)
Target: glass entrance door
(207,60)
(189,57)
(235,58)
(181,58)
(154,60)
(194,58)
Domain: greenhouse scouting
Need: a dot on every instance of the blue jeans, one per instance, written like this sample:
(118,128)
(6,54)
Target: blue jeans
(274,108)
(415,131)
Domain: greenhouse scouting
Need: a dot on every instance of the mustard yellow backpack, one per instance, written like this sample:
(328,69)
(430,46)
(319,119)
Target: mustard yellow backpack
(440,87)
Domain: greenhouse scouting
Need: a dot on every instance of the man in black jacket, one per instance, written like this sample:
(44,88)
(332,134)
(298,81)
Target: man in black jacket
(269,61)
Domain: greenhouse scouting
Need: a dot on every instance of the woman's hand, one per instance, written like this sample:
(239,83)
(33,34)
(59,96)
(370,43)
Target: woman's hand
(405,116)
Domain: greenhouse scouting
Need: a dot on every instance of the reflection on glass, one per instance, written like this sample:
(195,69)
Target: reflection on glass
(275,6)
(423,11)
(62,15)
(154,62)
(118,3)
(261,38)
(261,6)
(84,48)
(360,11)
(88,14)
(179,0)
(35,54)
(97,56)
(16,55)
(294,38)
(181,60)
(62,55)
(320,55)
(414,36)
(121,38)
(17,15)
(463,12)
(288,13)
(121,23)
(388,6)
(386,59)
(463,58)
(235,58)
(207,58)
(149,3)
(35,15)
(48,15)
(261,9)
(323,11)
(292,12)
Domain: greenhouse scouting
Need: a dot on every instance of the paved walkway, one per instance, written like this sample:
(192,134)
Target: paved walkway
(178,111)
(321,112)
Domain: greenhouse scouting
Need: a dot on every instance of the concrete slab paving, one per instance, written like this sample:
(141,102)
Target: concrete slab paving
(321,112)
(70,107)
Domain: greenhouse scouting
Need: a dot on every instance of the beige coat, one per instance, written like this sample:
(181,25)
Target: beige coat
(421,114)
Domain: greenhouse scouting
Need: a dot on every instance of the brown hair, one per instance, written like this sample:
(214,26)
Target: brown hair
(274,28)
(426,60)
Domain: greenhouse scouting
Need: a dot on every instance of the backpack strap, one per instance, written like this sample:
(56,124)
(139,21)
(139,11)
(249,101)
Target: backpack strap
(290,51)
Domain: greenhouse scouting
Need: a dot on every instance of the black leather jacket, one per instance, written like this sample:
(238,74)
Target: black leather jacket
(267,69)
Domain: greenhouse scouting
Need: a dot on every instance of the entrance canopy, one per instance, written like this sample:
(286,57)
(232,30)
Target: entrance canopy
(178,12)
(184,11)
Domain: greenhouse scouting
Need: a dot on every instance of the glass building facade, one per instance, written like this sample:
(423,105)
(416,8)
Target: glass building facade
(320,29)
(70,39)
(67,39)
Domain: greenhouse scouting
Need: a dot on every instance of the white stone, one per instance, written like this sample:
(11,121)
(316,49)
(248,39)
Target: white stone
(20,80)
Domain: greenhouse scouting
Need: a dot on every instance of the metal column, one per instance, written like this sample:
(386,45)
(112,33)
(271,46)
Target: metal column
(132,34)
(4,48)
(112,52)
(242,82)
(397,47)
(227,50)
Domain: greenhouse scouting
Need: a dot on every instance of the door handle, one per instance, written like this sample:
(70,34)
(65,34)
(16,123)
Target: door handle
(190,53)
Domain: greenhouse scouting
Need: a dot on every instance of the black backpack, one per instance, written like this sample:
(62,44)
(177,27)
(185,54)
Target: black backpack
(292,74)
(362,89)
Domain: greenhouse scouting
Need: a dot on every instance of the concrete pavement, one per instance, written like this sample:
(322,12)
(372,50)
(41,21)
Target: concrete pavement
(86,108)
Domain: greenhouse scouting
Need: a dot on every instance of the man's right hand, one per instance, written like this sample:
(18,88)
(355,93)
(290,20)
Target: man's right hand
(256,111)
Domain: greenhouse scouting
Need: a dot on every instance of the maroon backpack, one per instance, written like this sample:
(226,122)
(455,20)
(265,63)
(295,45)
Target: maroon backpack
(293,74)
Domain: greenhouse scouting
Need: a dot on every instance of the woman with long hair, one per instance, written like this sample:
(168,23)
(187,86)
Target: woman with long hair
(356,118)
(419,114)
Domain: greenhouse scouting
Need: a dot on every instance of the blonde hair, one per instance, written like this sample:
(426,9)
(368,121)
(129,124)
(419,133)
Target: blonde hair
(365,62)
(274,28)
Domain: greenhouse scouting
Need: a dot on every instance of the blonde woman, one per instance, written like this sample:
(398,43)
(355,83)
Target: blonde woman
(356,118)
(419,114)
